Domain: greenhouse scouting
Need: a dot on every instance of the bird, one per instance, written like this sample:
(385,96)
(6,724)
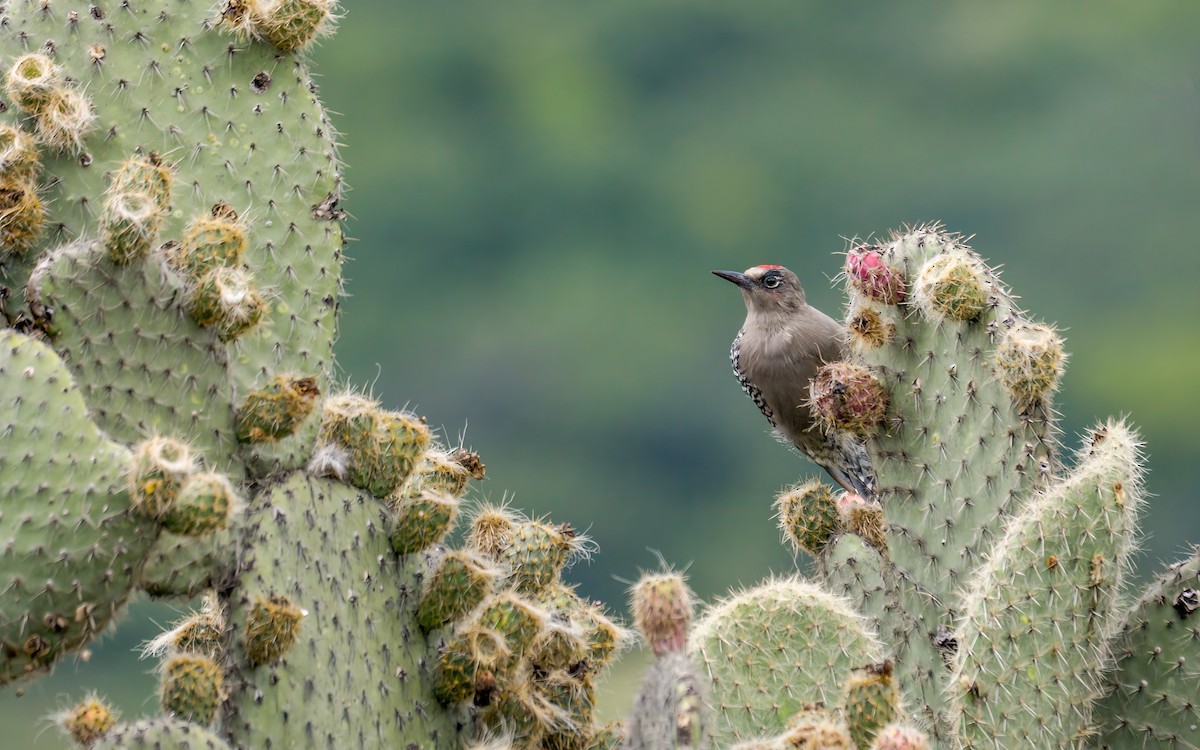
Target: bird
(780,347)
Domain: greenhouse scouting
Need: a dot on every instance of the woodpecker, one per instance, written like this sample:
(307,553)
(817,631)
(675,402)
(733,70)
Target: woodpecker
(779,349)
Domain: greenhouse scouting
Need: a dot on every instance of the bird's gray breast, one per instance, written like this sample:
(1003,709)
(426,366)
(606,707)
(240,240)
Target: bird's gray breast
(755,394)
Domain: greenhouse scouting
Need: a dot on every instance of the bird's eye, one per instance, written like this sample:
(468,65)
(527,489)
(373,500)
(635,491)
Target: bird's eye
(771,281)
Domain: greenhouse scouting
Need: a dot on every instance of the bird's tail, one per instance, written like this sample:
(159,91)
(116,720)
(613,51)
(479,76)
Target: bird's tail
(850,466)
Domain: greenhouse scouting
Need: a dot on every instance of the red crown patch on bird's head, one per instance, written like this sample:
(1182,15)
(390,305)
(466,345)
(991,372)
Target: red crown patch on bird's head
(768,268)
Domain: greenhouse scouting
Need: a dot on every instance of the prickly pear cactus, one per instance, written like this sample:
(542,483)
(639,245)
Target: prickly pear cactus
(170,241)
(992,575)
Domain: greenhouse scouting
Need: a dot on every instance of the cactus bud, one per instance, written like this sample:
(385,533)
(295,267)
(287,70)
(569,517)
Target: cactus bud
(868,328)
(423,521)
(22,214)
(815,732)
(291,25)
(1029,362)
(516,619)
(88,721)
(145,174)
(808,516)
(19,158)
(446,472)
(605,638)
(272,627)
(31,80)
(226,300)
(459,583)
(381,447)
(202,632)
(130,225)
(160,467)
(849,397)
(204,504)
(64,119)
(192,687)
(662,606)
(870,701)
(536,554)
(899,736)
(210,242)
(952,286)
(869,274)
(491,529)
(276,410)
(864,518)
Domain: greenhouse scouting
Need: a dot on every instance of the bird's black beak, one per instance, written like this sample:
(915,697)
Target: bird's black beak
(740,279)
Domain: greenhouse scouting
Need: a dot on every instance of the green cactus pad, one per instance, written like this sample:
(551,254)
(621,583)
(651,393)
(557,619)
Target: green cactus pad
(56,598)
(670,711)
(955,456)
(131,384)
(1151,700)
(244,123)
(164,733)
(772,649)
(1042,608)
(359,672)
(895,608)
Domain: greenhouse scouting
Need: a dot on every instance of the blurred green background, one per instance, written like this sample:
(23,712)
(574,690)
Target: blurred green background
(540,189)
